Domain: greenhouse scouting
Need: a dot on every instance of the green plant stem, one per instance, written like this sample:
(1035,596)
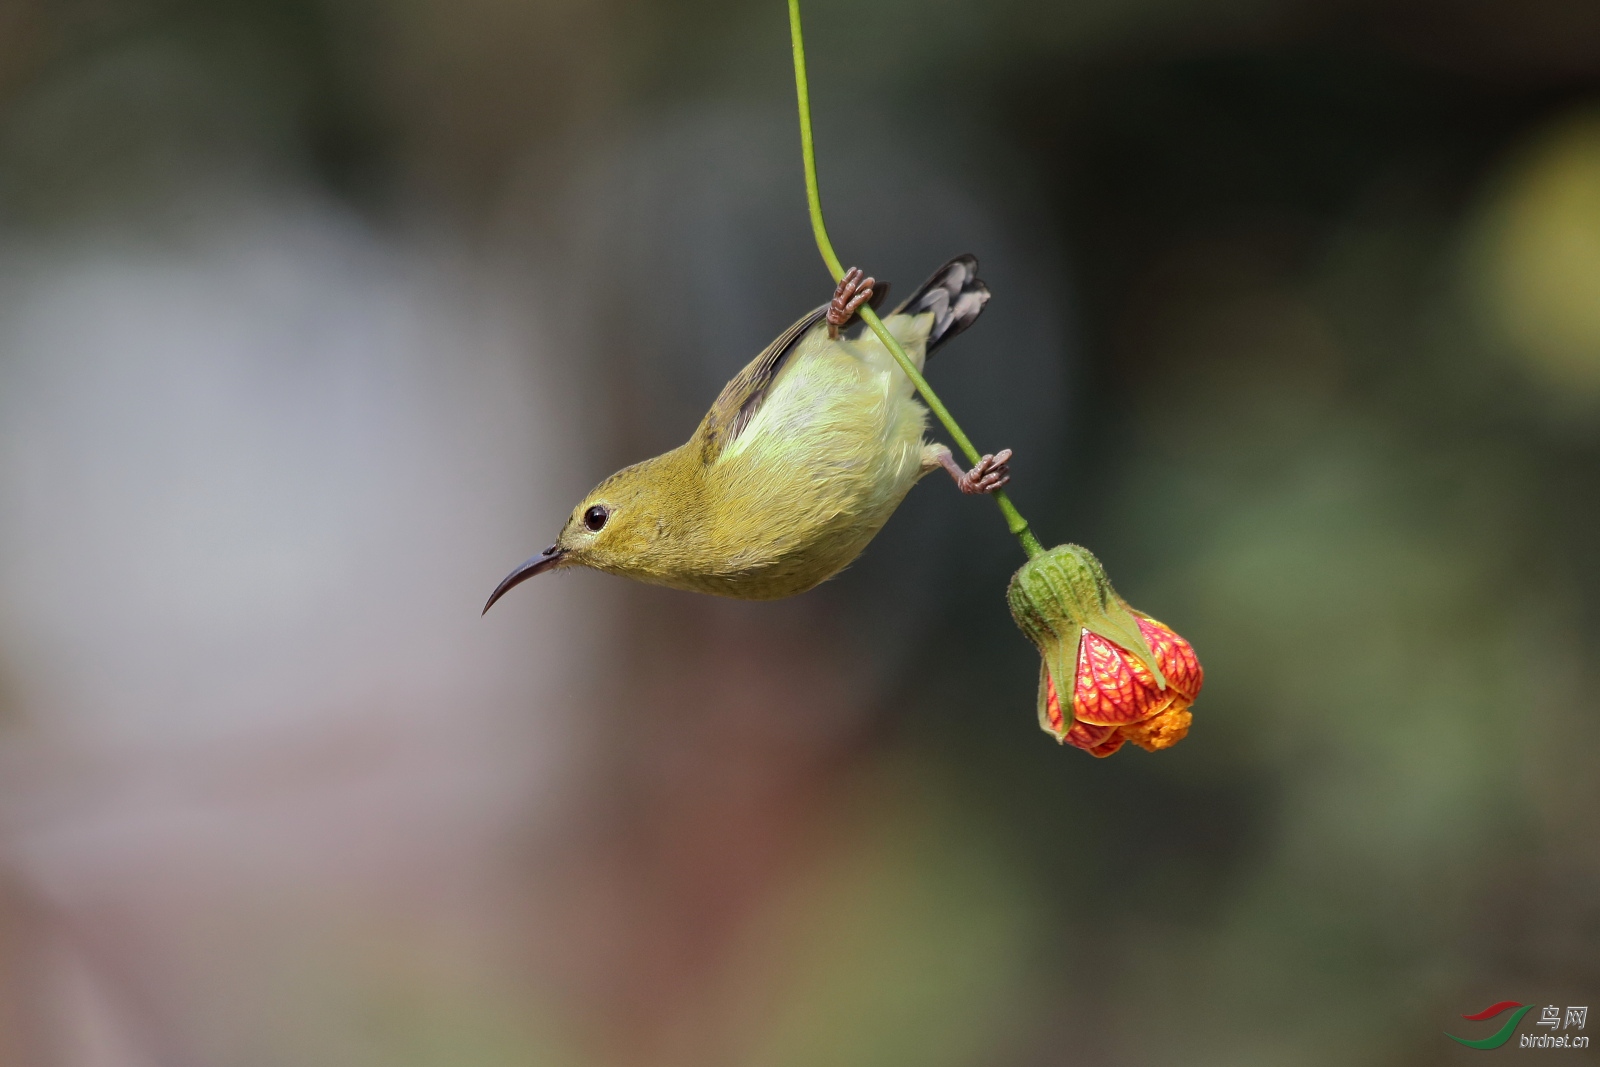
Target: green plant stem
(1014,520)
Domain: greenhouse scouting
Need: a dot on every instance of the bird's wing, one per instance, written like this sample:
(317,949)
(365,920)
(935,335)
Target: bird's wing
(741,398)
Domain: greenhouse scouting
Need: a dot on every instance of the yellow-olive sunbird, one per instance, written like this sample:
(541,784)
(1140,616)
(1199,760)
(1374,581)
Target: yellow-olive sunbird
(797,465)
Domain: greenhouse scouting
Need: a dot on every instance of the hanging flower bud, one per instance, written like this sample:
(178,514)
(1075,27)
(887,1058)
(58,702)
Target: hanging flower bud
(1130,678)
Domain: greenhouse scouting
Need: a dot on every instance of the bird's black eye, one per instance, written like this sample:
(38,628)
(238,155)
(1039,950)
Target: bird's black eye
(595,518)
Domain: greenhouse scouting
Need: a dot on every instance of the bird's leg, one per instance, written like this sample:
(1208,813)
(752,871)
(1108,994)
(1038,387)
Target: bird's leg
(853,291)
(990,474)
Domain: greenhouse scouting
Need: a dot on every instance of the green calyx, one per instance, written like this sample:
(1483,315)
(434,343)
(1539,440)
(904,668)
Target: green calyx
(1057,595)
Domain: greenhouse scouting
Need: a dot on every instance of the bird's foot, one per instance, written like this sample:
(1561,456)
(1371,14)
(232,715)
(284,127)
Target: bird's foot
(991,473)
(854,290)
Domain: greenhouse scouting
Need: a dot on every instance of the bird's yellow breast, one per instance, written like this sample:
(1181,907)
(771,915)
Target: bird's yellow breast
(834,448)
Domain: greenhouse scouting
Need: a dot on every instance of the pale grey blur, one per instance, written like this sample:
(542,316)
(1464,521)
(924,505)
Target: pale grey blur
(317,316)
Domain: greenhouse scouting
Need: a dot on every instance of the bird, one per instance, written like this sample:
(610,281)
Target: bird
(799,463)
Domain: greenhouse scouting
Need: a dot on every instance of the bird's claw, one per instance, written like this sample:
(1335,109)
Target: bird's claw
(991,473)
(854,290)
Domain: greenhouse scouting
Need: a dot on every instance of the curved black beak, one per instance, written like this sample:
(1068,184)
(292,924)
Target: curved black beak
(537,565)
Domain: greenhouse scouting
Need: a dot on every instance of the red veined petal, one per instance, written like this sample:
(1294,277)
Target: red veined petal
(1054,721)
(1099,741)
(1113,687)
(1174,656)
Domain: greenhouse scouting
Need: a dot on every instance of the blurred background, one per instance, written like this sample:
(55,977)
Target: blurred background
(317,316)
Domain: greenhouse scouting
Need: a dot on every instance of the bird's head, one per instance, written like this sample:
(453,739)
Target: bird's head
(618,527)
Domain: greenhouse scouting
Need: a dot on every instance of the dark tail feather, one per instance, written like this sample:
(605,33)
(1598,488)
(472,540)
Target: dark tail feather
(954,294)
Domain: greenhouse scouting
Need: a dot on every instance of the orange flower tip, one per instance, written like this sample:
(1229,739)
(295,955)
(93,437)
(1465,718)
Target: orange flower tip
(1160,731)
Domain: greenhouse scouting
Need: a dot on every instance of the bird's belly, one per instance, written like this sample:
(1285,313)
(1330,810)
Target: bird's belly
(800,558)
(803,557)
(799,512)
